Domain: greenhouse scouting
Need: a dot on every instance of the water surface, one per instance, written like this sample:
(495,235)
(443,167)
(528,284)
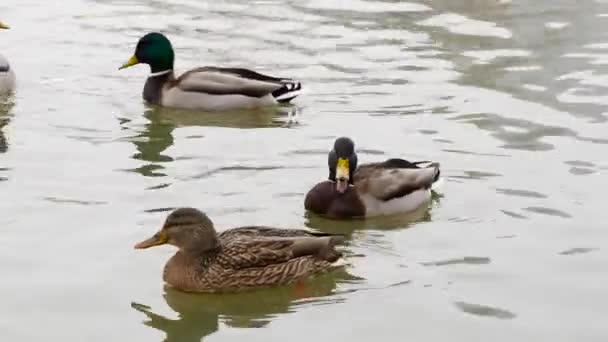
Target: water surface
(510,97)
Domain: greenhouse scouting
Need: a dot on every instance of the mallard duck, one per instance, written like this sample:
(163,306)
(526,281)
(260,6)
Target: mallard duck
(205,88)
(394,186)
(7,75)
(240,258)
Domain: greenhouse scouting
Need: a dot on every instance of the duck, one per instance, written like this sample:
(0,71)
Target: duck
(242,258)
(207,88)
(7,75)
(391,187)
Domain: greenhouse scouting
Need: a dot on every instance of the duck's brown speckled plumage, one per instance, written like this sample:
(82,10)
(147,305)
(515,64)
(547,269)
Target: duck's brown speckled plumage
(243,258)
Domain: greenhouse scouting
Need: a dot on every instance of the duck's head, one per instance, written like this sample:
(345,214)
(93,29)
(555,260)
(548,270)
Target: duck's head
(188,229)
(155,50)
(342,160)
(4,26)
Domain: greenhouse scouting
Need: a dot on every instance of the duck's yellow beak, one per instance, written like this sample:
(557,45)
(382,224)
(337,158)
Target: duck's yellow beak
(4,26)
(157,239)
(342,175)
(131,62)
(342,169)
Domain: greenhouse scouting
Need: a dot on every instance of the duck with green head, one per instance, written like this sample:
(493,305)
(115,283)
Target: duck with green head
(241,258)
(393,186)
(7,75)
(205,88)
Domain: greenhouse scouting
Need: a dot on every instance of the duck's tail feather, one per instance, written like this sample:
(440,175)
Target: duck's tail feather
(288,91)
(438,180)
(422,164)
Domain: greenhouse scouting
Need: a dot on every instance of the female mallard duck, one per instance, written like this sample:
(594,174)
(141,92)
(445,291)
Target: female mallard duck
(240,258)
(394,186)
(7,76)
(205,88)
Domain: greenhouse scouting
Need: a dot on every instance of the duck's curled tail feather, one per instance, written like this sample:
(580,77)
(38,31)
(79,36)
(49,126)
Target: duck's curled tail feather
(288,91)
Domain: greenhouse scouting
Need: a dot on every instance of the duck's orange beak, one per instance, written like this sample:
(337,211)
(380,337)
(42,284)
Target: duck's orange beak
(157,239)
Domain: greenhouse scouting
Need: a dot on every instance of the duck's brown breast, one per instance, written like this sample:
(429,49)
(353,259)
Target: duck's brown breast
(185,273)
(324,199)
(153,89)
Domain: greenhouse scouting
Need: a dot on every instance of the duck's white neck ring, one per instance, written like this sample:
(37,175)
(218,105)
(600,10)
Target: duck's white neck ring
(160,73)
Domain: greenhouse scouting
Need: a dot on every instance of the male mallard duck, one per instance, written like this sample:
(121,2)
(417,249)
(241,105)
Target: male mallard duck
(205,88)
(7,76)
(394,186)
(240,258)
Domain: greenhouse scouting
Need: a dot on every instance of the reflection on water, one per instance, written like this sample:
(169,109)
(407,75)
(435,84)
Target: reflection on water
(6,104)
(459,261)
(484,310)
(509,96)
(157,135)
(246,119)
(199,315)
(517,133)
(348,227)
(155,138)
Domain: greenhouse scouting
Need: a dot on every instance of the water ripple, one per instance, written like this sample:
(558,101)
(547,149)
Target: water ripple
(484,310)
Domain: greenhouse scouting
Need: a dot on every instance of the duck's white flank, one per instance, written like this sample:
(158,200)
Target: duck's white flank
(410,202)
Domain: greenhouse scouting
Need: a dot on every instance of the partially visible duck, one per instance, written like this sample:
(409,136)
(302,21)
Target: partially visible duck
(205,88)
(240,258)
(7,75)
(394,186)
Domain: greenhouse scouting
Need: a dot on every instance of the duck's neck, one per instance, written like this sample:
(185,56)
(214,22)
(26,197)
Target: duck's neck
(154,85)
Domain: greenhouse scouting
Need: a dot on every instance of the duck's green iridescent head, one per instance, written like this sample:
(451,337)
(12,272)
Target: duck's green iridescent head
(4,26)
(155,50)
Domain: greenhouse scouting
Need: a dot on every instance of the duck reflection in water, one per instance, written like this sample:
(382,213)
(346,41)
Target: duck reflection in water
(157,135)
(6,105)
(348,227)
(199,315)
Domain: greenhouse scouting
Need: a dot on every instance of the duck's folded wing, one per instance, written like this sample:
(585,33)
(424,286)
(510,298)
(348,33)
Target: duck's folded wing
(250,74)
(264,231)
(216,82)
(262,252)
(389,183)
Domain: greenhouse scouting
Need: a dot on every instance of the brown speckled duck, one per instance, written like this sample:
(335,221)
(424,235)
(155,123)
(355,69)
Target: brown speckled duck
(394,186)
(205,88)
(240,258)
